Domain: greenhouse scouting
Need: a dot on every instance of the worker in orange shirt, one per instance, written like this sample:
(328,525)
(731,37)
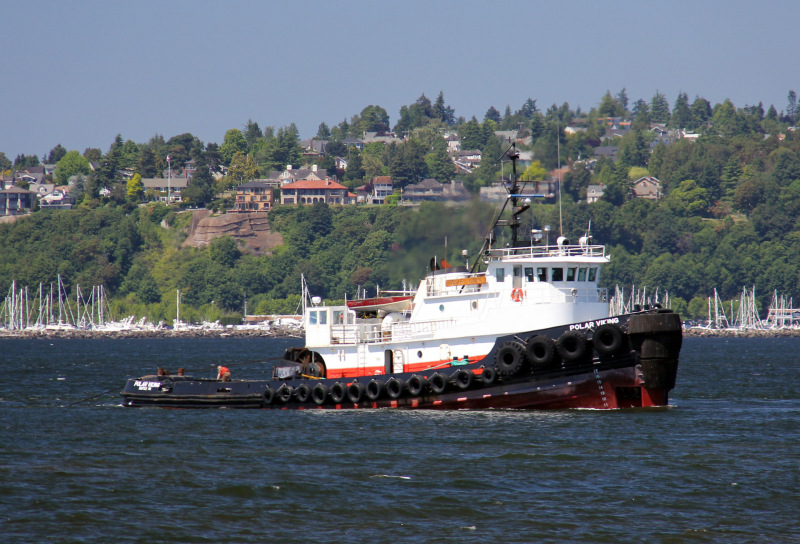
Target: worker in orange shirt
(223,373)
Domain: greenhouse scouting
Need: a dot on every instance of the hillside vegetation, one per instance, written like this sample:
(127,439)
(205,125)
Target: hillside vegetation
(728,216)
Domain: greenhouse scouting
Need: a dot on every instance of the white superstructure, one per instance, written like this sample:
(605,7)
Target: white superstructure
(456,314)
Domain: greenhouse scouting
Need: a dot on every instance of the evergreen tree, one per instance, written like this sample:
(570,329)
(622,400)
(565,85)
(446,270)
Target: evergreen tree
(443,112)
(252,133)
(791,108)
(681,115)
(56,154)
(493,115)
(323,132)
(659,109)
(700,113)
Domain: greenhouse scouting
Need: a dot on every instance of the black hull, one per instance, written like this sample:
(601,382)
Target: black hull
(630,363)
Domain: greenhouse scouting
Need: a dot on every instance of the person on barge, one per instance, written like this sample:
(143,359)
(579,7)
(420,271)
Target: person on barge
(223,373)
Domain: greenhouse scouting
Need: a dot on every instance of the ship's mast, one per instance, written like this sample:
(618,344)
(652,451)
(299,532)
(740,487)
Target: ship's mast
(514,194)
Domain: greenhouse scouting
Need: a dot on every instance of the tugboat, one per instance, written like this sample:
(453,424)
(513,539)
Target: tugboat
(526,326)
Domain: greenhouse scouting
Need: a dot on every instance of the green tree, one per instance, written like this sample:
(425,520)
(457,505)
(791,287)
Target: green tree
(418,114)
(200,190)
(659,108)
(5,163)
(609,107)
(252,133)
(242,168)
(443,112)
(323,132)
(700,113)
(135,188)
(688,199)
(56,154)
(408,165)
(224,251)
(234,142)
(633,149)
(681,115)
(72,163)
(439,165)
(726,121)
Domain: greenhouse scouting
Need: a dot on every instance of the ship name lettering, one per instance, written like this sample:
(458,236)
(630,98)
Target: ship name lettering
(593,324)
(146,385)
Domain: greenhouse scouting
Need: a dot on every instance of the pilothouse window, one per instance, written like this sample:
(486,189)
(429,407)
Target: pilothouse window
(541,273)
(529,273)
(312,318)
(581,274)
(593,273)
(570,274)
(557,274)
(500,274)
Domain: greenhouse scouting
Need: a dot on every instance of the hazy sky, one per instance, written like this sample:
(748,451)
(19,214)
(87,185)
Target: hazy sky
(78,73)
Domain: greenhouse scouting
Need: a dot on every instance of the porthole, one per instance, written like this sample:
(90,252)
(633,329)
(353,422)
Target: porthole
(441,307)
(419,354)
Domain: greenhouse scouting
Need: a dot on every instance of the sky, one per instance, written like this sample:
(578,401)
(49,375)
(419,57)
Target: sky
(78,73)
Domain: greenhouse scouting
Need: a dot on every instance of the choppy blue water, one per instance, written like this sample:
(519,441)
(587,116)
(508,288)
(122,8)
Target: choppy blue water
(721,465)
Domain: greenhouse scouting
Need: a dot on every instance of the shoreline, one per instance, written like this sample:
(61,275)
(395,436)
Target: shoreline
(736,333)
(274,332)
(293,332)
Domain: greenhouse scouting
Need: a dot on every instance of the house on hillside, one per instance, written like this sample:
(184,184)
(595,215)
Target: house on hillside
(431,190)
(58,199)
(381,188)
(608,151)
(291,175)
(313,191)
(16,201)
(166,189)
(594,193)
(254,196)
(647,187)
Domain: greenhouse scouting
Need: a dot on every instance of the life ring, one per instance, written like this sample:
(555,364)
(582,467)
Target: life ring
(320,393)
(355,392)
(607,339)
(541,351)
(415,385)
(572,346)
(489,375)
(374,390)
(517,294)
(394,388)
(269,395)
(438,383)
(463,378)
(285,392)
(508,360)
(303,392)
(338,392)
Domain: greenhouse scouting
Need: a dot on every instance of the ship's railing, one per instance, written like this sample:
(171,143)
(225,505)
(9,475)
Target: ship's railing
(540,252)
(372,332)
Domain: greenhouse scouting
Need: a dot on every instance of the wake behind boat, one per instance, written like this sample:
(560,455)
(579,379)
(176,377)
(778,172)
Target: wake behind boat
(527,326)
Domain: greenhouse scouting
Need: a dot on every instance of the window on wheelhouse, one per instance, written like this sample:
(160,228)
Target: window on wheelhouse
(571,274)
(517,280)
(312,317)
(529,273)
(593,273)
(582,274)
(557,274)
(323,317)
(500,275)
(541,273)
